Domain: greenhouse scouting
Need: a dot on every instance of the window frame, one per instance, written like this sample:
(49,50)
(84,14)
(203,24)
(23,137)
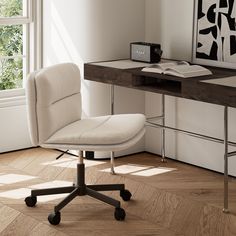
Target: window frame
(20,19)
(32,24)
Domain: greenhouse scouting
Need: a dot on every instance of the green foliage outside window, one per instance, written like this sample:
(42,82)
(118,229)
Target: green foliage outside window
(11,44)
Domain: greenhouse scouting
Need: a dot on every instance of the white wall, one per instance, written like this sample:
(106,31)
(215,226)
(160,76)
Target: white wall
(84,31)
(14,130)
(170,23)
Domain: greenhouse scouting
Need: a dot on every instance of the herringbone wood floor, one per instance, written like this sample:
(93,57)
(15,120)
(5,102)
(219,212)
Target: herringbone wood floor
(168,198)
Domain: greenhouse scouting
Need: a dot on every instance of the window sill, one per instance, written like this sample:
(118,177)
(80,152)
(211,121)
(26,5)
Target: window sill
(12,93)
(14,97)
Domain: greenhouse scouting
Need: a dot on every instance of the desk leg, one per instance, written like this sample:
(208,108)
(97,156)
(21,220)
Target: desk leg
(225,209)
(112,113)
(112,99)
(163,130)
(112,164)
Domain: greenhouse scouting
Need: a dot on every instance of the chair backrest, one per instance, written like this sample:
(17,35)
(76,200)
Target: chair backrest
(53,100)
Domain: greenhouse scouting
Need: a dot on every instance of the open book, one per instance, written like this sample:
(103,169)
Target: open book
(180,69)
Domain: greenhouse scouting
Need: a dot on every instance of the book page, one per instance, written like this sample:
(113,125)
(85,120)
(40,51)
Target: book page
(187,71)
(156,68)
(161,67)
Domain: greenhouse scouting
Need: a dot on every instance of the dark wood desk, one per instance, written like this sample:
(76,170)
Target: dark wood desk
(192,88)
(218,88)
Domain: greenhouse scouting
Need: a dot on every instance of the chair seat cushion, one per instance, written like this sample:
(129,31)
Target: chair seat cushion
(102,130)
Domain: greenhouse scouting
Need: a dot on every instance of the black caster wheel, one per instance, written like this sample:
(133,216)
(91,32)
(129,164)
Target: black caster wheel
(31,201)
(54,218)
(119,214)
(125,194)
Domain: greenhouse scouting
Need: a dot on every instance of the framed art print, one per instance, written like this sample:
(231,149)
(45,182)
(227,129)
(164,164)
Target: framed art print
(214,38)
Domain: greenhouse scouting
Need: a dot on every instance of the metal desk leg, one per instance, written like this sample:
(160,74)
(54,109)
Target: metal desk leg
(225,209)
(112,113)
(112,164)
(112,99)
(163,130)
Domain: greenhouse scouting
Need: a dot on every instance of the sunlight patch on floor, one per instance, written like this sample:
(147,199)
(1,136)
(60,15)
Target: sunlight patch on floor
(22,193)
(16,193)
(127,169)
(14,178)
(153,171)
(48,198)
(139,170)
(72,163)
(52,184)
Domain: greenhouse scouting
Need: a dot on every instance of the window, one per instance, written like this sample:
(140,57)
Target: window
(15,29)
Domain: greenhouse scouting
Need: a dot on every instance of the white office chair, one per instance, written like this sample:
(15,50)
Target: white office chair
(54,111)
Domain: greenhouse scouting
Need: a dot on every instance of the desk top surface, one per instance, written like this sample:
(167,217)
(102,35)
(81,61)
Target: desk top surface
(122,64)
(218,88)
(228,81)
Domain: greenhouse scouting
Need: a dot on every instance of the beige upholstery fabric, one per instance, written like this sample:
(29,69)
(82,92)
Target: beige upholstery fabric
(91,147)
(54,100)
(104,130)
(31,107)
(54,108)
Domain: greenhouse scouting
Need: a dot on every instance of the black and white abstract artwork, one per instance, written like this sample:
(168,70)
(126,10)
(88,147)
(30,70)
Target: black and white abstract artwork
(215,31)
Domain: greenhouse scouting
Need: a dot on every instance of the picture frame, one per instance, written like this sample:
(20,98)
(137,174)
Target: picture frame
(214,34)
